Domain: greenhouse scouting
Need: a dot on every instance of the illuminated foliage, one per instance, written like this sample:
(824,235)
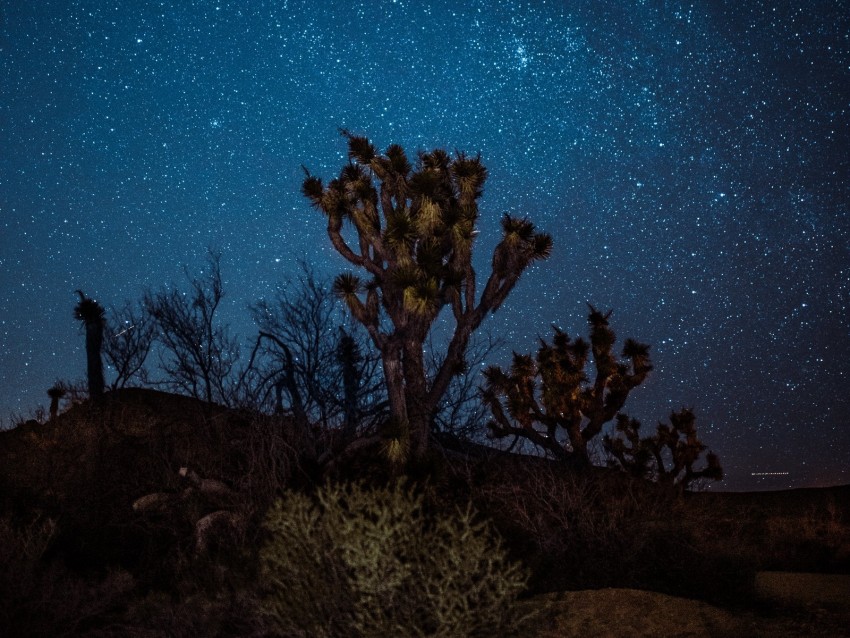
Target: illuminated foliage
(358,562)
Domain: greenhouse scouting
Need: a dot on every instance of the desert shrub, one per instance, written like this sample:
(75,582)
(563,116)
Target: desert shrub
(577,530)
(188,615)
(41,597)
(818,539)
(588,530)
(359,562)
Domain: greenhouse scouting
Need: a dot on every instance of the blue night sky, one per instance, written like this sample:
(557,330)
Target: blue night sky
(690,160)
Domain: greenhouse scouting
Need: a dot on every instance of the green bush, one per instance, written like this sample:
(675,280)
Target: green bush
(356,562)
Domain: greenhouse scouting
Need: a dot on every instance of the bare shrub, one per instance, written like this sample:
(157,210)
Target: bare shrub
(191,614)
(462,411)
(582,530)
(198,356)
(129,338)
(271,458)
(818,539)
(602,528)
(302,343)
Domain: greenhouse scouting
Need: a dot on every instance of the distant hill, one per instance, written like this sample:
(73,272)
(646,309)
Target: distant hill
(88,466)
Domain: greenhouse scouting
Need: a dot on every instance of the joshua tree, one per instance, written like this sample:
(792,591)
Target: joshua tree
(349,359)
(413,234)
(56,392)
(565,399)
(90,313)
(676,443)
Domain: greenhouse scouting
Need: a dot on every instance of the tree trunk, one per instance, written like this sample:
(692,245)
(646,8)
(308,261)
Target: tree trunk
(394,376)
(416,389)
(347,357)
(94,342)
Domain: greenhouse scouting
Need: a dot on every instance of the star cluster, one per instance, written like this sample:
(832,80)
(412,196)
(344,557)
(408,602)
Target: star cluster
(689,159)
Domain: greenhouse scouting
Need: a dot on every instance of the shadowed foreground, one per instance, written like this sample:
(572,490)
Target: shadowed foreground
(629,612)
(141,515)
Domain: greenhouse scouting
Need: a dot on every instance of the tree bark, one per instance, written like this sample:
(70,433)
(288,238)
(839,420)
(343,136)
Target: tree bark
(94,342)
(394,377)
(416,389)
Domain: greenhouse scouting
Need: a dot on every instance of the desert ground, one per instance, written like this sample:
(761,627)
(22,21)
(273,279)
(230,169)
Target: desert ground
(607,556)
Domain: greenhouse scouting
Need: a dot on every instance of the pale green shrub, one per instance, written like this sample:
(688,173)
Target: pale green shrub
(355,562)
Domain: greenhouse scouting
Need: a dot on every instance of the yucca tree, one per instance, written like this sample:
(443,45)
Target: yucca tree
(55,392)
(91,314)
(414,231)
(669,456)
(349,358)
(565,410)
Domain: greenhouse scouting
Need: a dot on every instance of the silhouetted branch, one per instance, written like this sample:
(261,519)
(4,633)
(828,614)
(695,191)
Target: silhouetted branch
(130,336)
(198,355)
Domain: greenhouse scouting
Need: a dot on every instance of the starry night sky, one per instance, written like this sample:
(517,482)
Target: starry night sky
(690,160)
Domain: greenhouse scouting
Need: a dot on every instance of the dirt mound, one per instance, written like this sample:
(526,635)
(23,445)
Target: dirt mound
(631,612)
(625,613)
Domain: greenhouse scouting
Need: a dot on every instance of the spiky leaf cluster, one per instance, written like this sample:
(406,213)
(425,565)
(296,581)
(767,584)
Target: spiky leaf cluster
(415,227)
(545,398)
(57,391)
(88,310)
(669,455)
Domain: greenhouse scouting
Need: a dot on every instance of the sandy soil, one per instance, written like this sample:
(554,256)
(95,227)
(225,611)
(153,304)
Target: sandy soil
(624,613)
